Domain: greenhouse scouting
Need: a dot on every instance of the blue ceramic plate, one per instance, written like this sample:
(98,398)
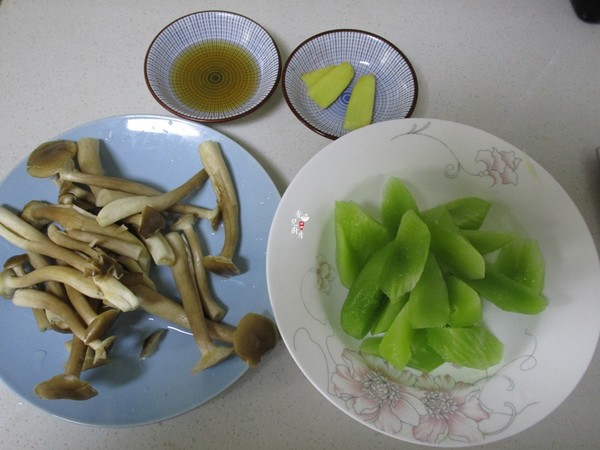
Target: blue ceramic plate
(163,152)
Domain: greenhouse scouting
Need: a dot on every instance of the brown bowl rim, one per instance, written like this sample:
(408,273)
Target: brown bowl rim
(335,31)
(222,119)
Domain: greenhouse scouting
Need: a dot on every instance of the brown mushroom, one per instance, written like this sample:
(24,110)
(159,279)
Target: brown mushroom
(68,385)
(88,160)
(86,307)
(16,263)
(112,244)
(72,218)
(102,261)
(254,336)
(159,305)
(151,221)
(151,343)
(128,206)
(56,288)
(212,158)
(10,282)
(18,232)
(159,249)
(184,281)
(212,308)
(101,286)
(56,158)
(101,324)
(70,193)
(32,298)
(105,196)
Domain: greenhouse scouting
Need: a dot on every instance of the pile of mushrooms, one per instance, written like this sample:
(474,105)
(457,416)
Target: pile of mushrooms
(86,260)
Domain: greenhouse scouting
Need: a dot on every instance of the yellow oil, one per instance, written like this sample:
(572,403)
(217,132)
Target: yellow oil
(214,76)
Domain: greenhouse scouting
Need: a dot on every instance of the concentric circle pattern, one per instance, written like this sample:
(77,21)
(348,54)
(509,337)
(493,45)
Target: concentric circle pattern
(396,92)
(214,76)
(212,66)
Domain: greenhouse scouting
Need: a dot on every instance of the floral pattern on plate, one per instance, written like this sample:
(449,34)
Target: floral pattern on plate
(433,408)
(499,165)
(451,406)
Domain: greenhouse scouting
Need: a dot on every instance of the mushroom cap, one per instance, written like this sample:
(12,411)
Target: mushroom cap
(6,290)
(184,221)
(29,216)
(50,157)
(220,265)
(16,261)
(65,387)
(101,324)
(254,336)
(151,222)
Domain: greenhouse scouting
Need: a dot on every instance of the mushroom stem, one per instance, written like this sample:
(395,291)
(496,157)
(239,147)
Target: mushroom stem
(147,222)
(101,324)
(212,159)
(74,363)
(32,298)
(201,213)
(61,238)
(71,218)
(159,305)
(16,263)
(56,288)
(111,243)
(115,293)
(253,337)
(18,232)
(9,282)
(159,249)
(81,304)
(56,158)
(212,308)
(102,286)
(133,266)
(71,194)
(106,196)
(88,159)
(151,343)
(211,353)
(124,207)
(41,319)
(68,385)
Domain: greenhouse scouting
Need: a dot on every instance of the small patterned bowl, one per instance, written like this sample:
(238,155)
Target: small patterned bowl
(396,83)
(212,66)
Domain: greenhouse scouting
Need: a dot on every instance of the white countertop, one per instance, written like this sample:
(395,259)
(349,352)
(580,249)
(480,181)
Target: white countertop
(527,72)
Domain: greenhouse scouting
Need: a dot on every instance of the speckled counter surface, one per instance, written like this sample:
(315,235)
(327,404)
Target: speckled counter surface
(524,71)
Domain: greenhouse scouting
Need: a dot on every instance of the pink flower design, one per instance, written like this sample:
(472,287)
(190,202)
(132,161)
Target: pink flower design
(453,410)
(501,166)
(377,392)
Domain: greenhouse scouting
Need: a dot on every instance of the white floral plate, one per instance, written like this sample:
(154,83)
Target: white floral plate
(545,355)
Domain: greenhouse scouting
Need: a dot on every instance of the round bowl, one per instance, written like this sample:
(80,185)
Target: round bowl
(212,66)
(396,90)
(450,406)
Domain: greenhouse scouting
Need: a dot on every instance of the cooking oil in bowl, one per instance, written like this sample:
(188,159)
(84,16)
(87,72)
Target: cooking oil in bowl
(214,76)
